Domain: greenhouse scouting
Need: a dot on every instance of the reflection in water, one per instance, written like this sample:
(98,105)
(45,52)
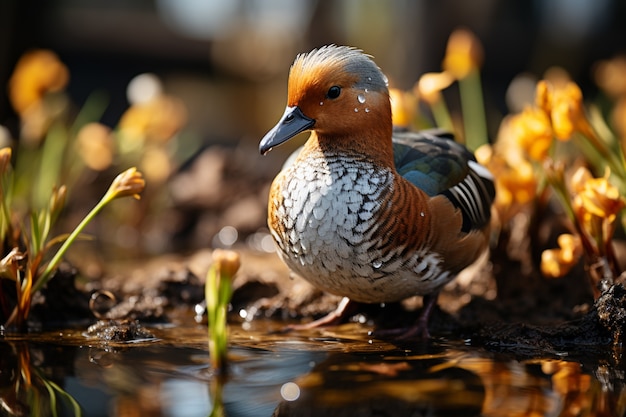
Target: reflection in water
(352,384)
(28,385)
(340,373)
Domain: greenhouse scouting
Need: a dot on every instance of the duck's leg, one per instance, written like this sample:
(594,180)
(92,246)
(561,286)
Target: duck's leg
(419,329)
(345,309)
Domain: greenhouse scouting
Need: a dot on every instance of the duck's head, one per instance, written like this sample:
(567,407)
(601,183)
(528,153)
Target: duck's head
(337,91)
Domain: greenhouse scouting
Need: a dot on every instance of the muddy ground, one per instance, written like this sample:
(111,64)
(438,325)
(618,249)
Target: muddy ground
(501,302)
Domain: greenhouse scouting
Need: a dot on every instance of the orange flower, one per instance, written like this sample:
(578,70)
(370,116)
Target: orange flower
(226,261)
(596,204)
(596,196)
(464,54)
(95,146)
(531,130)
(515,179)
(156,164)
(128,183)
(431,84)
(556,263)
(610,75)
(5,160)
(516,186)
(36,73)
(579,179)
(156,120)
(403,105)
(564,105)
(543,96)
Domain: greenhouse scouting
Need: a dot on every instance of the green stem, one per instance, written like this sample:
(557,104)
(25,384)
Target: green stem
(49,174)
(473,108)
(53,389)
(54,262)
(24,177)
(218,290)
(216,389)
(615,163)
(212,305)
(441,114)
(5,215)
(91,111)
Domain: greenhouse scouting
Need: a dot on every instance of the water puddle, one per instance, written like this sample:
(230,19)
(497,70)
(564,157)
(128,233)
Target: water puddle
(339,372)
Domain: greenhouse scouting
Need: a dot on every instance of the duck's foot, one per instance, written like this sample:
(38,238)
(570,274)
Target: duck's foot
(419,330)
(346,309)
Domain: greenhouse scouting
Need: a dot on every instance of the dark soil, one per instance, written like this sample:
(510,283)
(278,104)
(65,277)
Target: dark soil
(501,303)
(537,317)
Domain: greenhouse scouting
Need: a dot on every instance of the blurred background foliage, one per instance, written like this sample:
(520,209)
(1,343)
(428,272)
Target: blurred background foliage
(229,60)
(209,77)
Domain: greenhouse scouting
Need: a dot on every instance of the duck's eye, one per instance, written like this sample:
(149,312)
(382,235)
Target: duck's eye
(333,92)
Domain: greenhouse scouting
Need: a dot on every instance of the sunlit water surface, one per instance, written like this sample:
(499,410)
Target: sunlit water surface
(321,373)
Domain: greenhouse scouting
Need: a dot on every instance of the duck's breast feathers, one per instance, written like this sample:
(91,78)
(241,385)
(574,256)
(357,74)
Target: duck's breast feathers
(435,163)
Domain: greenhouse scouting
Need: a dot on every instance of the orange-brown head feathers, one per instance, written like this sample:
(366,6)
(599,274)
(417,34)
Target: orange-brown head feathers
(331,65)
(338,86)
(342,95)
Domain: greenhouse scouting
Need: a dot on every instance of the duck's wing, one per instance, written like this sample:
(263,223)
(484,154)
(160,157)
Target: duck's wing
(432,161)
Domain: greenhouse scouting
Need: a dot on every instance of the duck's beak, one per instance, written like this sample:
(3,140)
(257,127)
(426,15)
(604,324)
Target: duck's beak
(290,124)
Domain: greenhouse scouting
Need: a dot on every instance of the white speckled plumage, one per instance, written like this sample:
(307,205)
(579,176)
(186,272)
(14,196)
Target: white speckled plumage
(329,210)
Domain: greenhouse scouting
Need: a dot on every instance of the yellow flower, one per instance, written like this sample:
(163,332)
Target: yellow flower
(543,96)
(596,196)
(515,177)
(403,106)
(610,75)
(156,120)
(36,73)
(226,261)
(579,179)
(564,106)
(517,185)
(556,263)
(95,146)
(515,180)
(484,154)
(571,249)
(464,54)
(57,200)
(128,183)
(596,204)
(431,84)
(155,164)
(531,130)
(550,265)
(5,160)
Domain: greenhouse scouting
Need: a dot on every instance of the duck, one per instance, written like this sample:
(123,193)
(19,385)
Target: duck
(363,210)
